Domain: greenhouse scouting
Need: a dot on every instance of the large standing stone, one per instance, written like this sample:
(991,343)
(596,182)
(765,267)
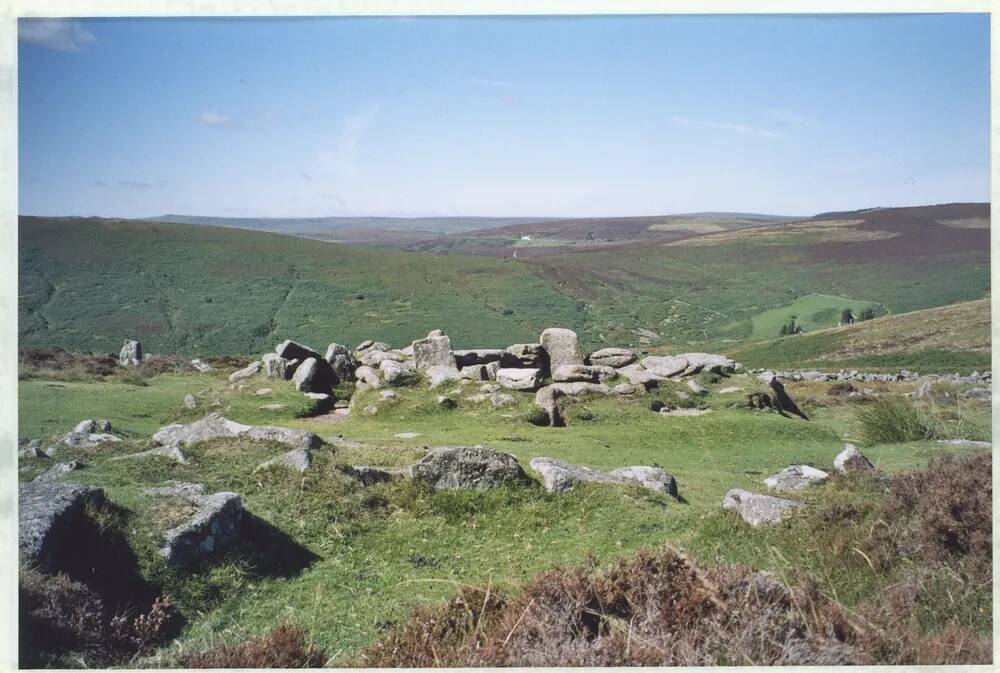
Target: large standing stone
(665,365)
(314,376)
(612,357)
(433,351)
(795,478)
(562,346)
(290,350)
(758,509)
(341,361)
(131,353)
(49,513)
(528,356)
(520,379)
(468,467)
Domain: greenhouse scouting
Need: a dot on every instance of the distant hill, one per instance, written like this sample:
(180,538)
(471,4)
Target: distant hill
(942,339)
(530,239)
(88,283)
(380,231)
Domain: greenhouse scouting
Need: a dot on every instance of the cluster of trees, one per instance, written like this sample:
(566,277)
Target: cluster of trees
(847,317)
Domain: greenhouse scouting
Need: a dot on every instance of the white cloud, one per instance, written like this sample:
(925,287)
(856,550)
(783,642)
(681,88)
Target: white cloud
(727,126)
(213,119)
(57,34)
(785,117)
(341,156)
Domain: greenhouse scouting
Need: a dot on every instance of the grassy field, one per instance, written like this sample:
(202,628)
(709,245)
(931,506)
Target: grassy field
(352,561)
(811,312)
(944,339)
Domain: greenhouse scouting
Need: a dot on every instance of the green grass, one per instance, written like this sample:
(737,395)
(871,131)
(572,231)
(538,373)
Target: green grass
(811,312)
(384,550)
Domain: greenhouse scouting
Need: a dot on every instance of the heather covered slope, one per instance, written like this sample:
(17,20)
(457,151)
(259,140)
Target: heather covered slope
(86,284)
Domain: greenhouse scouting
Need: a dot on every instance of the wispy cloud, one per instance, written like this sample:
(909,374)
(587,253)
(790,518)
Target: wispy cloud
(341,156)
(133,184)
(305,176)
(57,34)
(213,119)
(786,117)
(727,126)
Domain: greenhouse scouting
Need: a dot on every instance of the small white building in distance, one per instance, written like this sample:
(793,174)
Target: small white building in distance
(526,238)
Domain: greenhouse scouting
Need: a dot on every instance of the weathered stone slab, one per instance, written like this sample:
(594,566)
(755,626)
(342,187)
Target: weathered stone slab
(520,379)
(468,467)
(612,357)
(48,514)
(795,478)
(758,509)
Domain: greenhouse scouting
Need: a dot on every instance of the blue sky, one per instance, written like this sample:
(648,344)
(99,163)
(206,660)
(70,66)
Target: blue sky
(584,116)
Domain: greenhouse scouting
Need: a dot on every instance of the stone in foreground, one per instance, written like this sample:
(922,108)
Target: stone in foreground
(48,514)
(314,376)
(299,460)
(558,476)
(211,530)
(758,509)
(652,478)
(795,478)
(852,460)
(468,467)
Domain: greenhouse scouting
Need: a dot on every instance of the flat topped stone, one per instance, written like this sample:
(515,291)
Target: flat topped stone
(795,478)
(215,426)
(758,509)
(214,528)
(664,365)
(48,513)
(650,477)
(559,476)
(519,379)
(612,357)
(468,467)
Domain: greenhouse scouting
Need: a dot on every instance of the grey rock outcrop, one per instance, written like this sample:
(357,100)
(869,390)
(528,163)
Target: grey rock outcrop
(652,478)
(368,376)
(583,373)
(718,364)
(277,367)
(665,366)
(341,361)
(483,372)
(190,402)
(852,460)
(468,467)
(291,350)
(795,478)
(433,351)
(638,375)
(212,529)
(314,376)
(612,357)
(559,476)
(299,460)
(437,376)
(525,356)
(562,346)
(478,356)
(48,515)
(394,372)
(520,379)
(758,509)
(131,353)
(58,470)
(215,426)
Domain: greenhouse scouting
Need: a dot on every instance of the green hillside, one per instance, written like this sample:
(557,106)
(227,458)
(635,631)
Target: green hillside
(943,339)
(87,284)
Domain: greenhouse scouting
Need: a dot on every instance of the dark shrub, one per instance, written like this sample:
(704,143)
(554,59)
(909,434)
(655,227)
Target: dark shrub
(286,646)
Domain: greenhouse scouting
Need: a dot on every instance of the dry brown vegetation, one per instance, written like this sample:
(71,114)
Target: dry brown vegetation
(287,646)
(661,608)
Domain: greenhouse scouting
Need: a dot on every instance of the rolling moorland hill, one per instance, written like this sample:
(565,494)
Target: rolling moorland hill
(568,235)
(86,284)
(724,288)
(393,232)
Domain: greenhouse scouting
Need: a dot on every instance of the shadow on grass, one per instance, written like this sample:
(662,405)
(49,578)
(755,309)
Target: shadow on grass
(268,551)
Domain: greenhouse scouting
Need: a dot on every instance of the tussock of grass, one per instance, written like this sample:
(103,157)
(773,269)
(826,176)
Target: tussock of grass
(892,420)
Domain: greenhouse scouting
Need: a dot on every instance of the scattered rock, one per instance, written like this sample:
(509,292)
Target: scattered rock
(388,395)
(299,460)
(58,470)
(795,478)
(291,350)
(559,476)
(48,515)
(367,375)
(341,361)
(263,392)
(758,509)
(131,353)
(978,394)
(439,375)
(520,379)
(582,373)
(370,409)
(695,388)
(562,346)
(581,388)
(665,366)
(625,389)
(201,366)
(612,357)
(652,478)
(211,530)
(638,375)
(729,390)
(527,356)
(314,376)
(483,372)
(852,460)
(718,364)
(215,426)
(394,372)
(547,400)
(468,467)
(682,411)
(190,402)
(250,370)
